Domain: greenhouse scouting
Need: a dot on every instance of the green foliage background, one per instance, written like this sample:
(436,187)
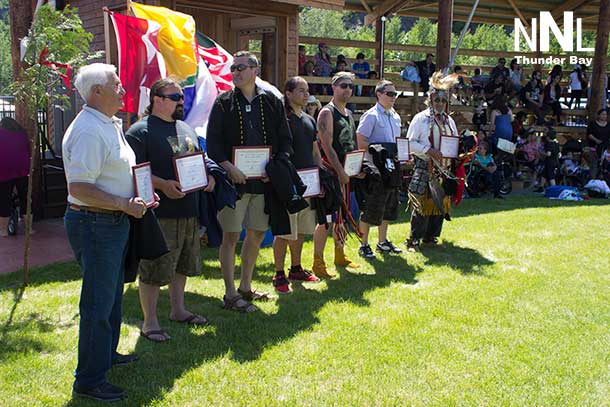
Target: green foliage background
(6,65)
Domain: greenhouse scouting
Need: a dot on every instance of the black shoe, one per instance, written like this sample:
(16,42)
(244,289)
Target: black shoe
(433,241)
(366,252)
(118,359)
(104,392)
(412,245)
(388,247)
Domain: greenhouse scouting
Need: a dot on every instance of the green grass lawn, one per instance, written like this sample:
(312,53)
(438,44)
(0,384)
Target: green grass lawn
(512,309)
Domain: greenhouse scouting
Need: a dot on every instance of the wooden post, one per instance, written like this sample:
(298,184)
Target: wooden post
(598,91)
(443,43)
(378,33)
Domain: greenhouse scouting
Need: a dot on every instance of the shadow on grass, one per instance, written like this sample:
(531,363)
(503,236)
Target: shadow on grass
(53,273)
(464,259)
(241,337)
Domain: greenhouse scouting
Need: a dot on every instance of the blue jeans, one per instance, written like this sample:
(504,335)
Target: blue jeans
(99,242)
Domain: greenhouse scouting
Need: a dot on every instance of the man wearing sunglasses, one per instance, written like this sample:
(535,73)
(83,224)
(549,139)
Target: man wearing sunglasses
(158,138)
(428,202)
(337,132)
(380,125)
(245,116)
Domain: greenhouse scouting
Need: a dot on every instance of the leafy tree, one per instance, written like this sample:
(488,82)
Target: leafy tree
(61,34)
(6,64)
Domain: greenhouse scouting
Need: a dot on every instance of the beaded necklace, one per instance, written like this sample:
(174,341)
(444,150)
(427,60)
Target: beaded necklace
(241,121)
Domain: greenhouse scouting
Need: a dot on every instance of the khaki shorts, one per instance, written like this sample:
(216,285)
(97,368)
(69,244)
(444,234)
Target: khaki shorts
(301,223)
(182,237)
(249,213)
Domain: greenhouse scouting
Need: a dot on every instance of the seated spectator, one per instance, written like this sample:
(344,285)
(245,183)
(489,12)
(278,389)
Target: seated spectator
(531,96)
(552,93)
(425,68)
(322,61)
(519,130)
(500,70)
(369,91)
(487,169)
(577,80)
(479,117)
(478,81)
(605,166)
(361,68)
(314,88)
(463,89)
(557,70)
(497,86)
(570,170)
(531,155)
(302,59)
(551,156)
(516,79)
(598,136)
(313,106)
(500,121)
(341,67)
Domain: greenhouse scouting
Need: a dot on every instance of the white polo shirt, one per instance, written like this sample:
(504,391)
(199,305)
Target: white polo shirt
(419,133)
(95,152)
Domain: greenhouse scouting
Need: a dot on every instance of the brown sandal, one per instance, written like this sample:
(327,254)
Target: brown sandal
(254,295)
(232,305)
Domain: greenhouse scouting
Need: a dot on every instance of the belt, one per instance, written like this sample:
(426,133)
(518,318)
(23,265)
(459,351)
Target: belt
(80,208)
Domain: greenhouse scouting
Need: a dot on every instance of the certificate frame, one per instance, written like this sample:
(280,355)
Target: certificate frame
(244,148)
(320,190)
(445,140)
(399,141)
(205,171)
(351,158)
(143,167)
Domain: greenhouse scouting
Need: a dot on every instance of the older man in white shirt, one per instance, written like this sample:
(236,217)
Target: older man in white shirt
(98,164)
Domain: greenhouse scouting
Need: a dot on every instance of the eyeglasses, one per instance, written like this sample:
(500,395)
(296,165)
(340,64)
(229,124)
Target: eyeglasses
(240,67)
(176,97)
(391,93)
(346,85)
(440,100)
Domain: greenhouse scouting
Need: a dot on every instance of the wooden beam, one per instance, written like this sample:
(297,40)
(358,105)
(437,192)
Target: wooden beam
(445,23)
(569,5)
(387,7)
(366,6)
(518,12)
(599,60)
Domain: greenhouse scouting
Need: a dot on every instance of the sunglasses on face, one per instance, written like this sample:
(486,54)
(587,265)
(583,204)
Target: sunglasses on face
(346,85)
(176,97)
(391,93)
(240,67)
(440,100)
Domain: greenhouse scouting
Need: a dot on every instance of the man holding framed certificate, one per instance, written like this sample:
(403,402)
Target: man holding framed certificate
(380,125)
(337,132)
(178,173)
(306,159)
(433,141)
(247,116)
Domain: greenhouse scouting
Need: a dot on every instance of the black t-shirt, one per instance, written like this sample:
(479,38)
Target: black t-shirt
(535,91)
(303,131)
(155,140)
(599,132)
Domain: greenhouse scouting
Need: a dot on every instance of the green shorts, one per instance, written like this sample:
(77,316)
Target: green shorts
(182,237)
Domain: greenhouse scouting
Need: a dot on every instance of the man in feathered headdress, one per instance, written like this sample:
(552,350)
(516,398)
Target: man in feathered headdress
(432,184)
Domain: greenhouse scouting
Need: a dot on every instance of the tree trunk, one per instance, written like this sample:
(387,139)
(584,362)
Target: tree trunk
(598,91)
(21,14)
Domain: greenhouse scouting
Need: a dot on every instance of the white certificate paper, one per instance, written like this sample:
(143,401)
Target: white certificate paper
(311,179)
(402,146)
(353,162)
(142,181)
(252,160)
(191,172)
(450,146)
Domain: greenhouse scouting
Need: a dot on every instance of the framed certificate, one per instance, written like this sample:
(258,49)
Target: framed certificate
(311,179)
(353,162)
(450,146)
(191,172)
(252,160)
(403,148)
(142,182)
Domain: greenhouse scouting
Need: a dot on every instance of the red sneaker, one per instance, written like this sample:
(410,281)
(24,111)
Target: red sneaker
(302,275)
(281,284)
